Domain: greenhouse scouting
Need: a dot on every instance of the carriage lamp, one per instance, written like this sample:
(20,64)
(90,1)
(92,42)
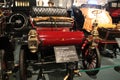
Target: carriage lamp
(33,41)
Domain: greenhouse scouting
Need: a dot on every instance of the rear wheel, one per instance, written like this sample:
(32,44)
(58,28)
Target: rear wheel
(23,67)
(91,60)
(3,66)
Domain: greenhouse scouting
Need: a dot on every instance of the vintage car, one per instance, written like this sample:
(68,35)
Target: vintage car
(93,13)
(48,38)
(52,40)
(106,30)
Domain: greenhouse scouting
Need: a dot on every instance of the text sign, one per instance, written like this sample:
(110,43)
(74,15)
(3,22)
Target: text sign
(65,54)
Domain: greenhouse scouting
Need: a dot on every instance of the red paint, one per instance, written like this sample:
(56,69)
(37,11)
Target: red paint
(115,12)
(59,36)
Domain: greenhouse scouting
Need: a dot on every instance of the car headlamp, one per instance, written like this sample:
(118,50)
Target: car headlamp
(32,41)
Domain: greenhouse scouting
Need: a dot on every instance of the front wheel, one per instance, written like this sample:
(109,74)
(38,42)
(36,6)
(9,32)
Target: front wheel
(91,60)
(23,67)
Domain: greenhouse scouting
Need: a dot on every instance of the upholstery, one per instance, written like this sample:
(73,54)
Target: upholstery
(48,11)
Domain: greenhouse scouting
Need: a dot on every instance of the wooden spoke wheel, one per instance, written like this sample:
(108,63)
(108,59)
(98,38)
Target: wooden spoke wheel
(91,60)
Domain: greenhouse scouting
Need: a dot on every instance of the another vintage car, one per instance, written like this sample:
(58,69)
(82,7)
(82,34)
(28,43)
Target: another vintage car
(104,27)
(93,13)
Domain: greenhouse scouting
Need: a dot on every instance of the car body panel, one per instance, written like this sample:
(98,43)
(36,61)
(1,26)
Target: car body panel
(55,37)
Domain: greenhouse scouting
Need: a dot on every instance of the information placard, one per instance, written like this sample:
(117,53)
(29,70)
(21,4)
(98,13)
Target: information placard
(65,54)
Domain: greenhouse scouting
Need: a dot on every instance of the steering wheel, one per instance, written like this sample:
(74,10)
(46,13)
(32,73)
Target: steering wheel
(96,12)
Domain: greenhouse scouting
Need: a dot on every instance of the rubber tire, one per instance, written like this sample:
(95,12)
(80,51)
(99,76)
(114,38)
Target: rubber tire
(3,64)
(98,61)
(23,68)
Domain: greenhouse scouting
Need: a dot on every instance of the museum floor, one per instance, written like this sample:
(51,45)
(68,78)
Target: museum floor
(107,72)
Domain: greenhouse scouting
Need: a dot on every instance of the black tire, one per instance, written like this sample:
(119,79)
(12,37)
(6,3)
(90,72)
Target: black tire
(91,60)
(3,65)
(19,20)
(23,67)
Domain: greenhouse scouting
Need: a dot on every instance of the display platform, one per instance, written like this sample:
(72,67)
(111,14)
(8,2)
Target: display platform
(107,72)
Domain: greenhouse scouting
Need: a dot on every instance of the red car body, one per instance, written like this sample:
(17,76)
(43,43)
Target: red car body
(59,36)
(54,27)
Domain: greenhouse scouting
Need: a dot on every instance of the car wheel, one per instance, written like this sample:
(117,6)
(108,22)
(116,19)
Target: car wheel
(91,60)
(23,68)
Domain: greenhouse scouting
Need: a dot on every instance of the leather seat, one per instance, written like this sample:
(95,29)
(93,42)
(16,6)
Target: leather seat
(48,11)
